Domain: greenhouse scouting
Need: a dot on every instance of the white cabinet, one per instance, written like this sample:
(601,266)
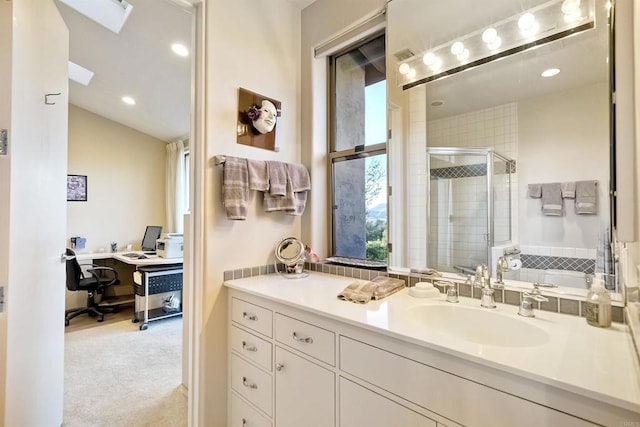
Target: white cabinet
(304,392)
(360,407)
(292,368)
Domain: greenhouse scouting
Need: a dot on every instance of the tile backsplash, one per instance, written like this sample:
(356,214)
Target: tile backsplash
(559,305)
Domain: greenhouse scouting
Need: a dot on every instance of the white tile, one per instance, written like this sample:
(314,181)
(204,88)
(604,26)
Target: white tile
(569,252)
(557,252)
(582,253)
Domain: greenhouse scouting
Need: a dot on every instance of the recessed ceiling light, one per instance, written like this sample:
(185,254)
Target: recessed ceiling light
(550,72)
(108,13)
(80,74)
(180,49)
(128,100)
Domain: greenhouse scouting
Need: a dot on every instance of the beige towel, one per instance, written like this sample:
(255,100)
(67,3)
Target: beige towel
(258,175)
(378,288)
(386,286)
(299,176)
(358,292)
(235,188)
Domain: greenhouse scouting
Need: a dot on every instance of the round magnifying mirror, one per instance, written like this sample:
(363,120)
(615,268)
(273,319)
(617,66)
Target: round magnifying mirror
(290,252)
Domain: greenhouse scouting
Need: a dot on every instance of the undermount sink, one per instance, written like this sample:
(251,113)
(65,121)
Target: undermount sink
(480,326)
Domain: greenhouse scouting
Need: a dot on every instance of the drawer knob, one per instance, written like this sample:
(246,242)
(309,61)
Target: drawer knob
(307,340)
(279,367)
(249,347)
(249,316)
(247,384)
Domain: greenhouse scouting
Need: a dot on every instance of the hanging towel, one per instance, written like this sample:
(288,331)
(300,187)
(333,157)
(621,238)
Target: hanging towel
(551,199)
(277,203)
(235,188)
(277,178)
(300,184)
(568,190)
(587,197)
(258,175)
(535,191)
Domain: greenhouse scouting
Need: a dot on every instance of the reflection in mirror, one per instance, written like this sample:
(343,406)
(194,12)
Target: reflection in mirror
(549,130)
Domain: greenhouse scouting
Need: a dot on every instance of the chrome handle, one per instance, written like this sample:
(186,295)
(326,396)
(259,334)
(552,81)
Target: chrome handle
(307,340)
(247,384)
(279,367)
(248,347)
(535,296)
(249,316)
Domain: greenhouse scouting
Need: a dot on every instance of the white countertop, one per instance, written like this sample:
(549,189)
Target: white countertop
(147,260)
(593,362)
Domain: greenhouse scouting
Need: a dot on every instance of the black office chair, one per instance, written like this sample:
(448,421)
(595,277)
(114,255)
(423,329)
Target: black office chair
(101,278)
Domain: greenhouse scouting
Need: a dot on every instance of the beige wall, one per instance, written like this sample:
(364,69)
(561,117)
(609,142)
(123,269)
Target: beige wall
(125,181)
(253,44)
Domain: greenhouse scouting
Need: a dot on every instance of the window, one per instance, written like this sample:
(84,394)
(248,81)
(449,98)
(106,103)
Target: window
(358,151)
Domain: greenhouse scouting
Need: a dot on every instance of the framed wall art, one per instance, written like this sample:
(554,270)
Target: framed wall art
(76,188)
(257,120)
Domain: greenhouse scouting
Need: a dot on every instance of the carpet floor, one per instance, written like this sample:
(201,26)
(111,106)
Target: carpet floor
(117,375)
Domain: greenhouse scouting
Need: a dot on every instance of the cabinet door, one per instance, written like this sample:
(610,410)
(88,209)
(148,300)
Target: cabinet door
(360,407)
(305,392)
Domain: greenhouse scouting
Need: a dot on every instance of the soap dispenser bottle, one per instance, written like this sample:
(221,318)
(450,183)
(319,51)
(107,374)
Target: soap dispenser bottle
(598,305)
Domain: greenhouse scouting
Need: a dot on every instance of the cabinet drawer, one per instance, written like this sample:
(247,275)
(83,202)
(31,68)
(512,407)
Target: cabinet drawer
(312,340)
(253,384)
(250,346)
(360,407)
(243,415)
(441,392)
(252,316)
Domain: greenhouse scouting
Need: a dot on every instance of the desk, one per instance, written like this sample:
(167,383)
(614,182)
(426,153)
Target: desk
(126,267)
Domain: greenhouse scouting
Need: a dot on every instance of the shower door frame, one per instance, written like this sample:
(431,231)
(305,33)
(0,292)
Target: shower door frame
(490,154)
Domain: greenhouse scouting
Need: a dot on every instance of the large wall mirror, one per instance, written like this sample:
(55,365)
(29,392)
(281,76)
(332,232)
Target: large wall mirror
(475,136)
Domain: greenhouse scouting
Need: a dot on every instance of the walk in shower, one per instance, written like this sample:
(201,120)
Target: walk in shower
(469,208)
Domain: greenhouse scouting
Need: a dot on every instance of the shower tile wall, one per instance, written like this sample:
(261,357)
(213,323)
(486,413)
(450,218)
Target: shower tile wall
(495,127)
(417,170)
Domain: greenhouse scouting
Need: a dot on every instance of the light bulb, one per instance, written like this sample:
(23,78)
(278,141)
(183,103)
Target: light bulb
(526,22)
(489,35)
(570,7)
(437,64)
(412,73)
(464,55)
(429,58)
(550,72)
(404,68)
(495,45)
(457,48)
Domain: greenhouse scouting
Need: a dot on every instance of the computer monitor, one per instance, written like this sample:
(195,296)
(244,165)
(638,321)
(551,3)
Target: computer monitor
(151,234)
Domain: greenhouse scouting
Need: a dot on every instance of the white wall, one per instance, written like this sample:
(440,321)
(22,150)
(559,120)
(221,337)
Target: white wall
(5,121)
(253,44)
(125,181)
(558,143)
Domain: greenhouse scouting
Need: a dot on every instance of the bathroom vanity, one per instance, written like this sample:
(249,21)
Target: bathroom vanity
(298,356)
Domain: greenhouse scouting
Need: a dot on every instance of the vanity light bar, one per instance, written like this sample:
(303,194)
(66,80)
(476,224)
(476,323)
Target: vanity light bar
(542,24)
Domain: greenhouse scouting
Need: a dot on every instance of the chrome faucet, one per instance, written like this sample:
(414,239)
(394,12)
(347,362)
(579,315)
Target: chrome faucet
(483,280)
(529,299)
(501,267)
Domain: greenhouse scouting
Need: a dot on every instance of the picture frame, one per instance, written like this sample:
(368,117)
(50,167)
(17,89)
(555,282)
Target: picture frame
(76,188)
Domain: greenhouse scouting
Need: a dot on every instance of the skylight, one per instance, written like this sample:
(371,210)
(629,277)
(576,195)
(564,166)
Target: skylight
(111,14)
(79,74)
